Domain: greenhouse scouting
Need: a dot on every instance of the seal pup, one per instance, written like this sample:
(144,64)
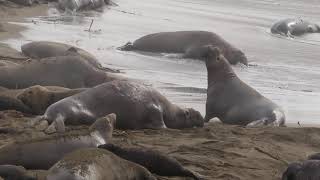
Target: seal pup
(64,71)
(45,49)
(39,98)
(96,164)
(155,161)
(42,153)
(294,27)
(306,170)
(137,106)
(187,42)
(11,172)
(232,100)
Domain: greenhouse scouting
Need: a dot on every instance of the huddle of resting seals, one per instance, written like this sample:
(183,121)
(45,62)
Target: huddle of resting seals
(136,105)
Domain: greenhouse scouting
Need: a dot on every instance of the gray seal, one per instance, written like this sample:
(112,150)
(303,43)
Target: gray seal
(187,42)
(232,100)
(64,71)
(96,164)
(155,161)
(137,106)
(294,27)
(45,49)
(42,153)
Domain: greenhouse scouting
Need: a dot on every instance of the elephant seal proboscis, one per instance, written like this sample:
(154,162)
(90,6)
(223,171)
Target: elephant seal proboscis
(45,49)
(96,164)
(155,161)
(232,100)
(11,172)
(306,170)
(187,42)
(294,27)
(64,71)
(39,98)
(42,153)
(137,106)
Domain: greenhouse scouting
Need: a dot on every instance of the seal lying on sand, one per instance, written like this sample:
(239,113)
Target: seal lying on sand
(10,103)
(187,42)
(42,153)
(306,170)
(294,27)
(154,161)
(39,98)
(65,71)
(96,164)
(45,49)
(233,101)
(11,172)
(137,106)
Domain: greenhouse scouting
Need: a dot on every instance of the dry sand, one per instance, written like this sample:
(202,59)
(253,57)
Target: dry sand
(216,151)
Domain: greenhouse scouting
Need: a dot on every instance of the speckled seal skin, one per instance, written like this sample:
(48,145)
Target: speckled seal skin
(42,153)
(294,27)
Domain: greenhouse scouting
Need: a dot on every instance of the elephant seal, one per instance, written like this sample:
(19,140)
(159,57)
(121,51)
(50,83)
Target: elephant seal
(64,71)
(42,153)
(154,161)
(306,170)
(10,103)
(11,172)
(294,27)
(315,156)
(39,98)
(137,106)
(187,42)
(45,49)
(232,100)
(96,164)
(78,5)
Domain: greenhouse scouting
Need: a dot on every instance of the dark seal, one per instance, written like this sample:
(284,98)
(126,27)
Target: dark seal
(137,106)
(187,42)
(232,100)
(294,27)
(306,170)
(97,164)
(42,153)
(11,172)
(155,161)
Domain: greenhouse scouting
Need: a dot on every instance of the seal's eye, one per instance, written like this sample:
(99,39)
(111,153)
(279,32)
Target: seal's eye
(218,58)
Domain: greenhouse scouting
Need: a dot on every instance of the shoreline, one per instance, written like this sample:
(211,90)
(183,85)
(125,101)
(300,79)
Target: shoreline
(10,12)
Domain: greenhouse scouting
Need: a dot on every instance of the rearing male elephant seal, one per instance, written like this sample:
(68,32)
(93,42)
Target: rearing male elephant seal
(154,161)
(64,71)
(137,106)
(96,164)
(187,42)
(295,27)
(233,101)
(42,153)
(45,49)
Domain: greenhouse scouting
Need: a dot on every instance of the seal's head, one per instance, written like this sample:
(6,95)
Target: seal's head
(126,47)
(214,58)
(237,56)
(292,171)
(103,128)
(189,117)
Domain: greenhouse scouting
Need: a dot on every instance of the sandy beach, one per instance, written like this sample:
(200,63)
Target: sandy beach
(217,151)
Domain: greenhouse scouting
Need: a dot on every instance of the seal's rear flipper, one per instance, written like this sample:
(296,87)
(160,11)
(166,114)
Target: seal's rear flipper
(126,47)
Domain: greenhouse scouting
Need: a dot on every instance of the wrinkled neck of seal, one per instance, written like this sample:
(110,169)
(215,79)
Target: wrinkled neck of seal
(219,72)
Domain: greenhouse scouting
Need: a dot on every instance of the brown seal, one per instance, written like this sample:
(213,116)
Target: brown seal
(187,42)
(42,153)
(232,100)
(39,98)
(97,164)
(45,49)
(137,106)
(155,161)
(64,71)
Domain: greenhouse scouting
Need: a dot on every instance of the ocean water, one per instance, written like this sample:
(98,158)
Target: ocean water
(285,70)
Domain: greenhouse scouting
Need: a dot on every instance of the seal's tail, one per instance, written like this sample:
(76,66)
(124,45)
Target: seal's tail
(126,47)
